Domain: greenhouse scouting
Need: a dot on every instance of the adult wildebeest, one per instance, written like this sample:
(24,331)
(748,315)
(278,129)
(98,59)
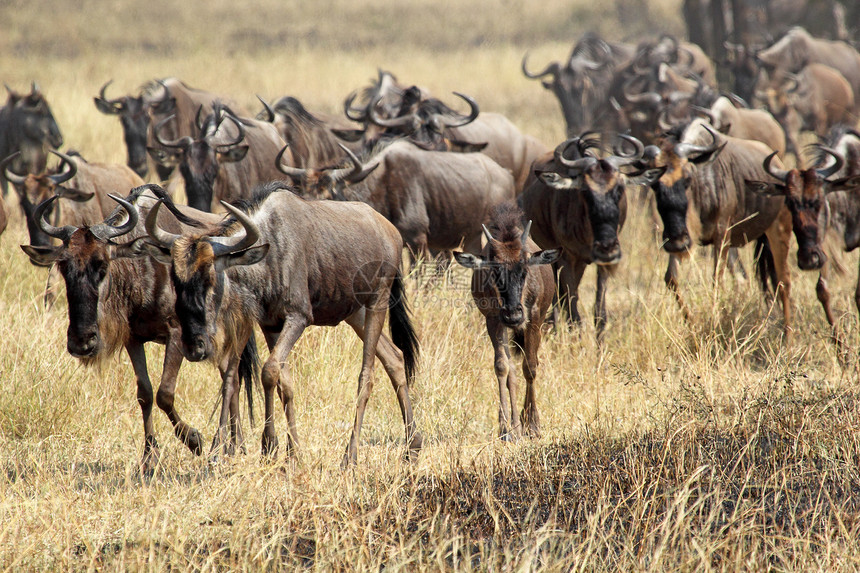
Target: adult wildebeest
(580,205)
(27,127)
(85,184)
(702,197)
(820,199)
(119,299)
(312,138)
(437,200)
(158,100)
(318,263)
(225,160)
(755,124)
(815,99)
(798,49)
(512,285)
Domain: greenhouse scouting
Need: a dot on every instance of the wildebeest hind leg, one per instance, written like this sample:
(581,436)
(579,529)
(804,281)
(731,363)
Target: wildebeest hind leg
(502,367)
(529,416)
(779,237)
(144,398)
(392,360)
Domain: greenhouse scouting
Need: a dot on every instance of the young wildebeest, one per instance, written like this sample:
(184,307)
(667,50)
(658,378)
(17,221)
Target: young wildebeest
(116,301)
(808,196)
(512,285)
(328,262)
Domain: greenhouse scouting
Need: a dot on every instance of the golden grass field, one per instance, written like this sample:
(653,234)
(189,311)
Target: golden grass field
(697,446)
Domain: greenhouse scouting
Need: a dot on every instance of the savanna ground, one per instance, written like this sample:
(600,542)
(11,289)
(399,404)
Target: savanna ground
(705,445)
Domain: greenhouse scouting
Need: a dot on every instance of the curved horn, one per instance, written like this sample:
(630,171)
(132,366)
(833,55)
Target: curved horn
(838,162)
(293,172)
(354,113)
(115,105)
(473,113)
(62,233)
(239,137)
(687,149)
(525,236)
(166,93)
(66,174)
(227,245)
(652,98)
(198,118)
(179,143)
(105,232)
(373,117)
(621,159)
(581,146)
(11,176)
(551,69)
(270,113)
(773,172)
(160,236)
(349,173)
(705,112)
(487,233)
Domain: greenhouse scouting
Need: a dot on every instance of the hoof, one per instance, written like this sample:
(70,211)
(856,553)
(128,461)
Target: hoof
(269,447)
(415,446)
(194,442)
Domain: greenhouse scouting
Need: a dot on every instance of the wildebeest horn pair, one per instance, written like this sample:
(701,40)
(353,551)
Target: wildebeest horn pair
(102,231)
(220,245)
(68,169)
(523,238)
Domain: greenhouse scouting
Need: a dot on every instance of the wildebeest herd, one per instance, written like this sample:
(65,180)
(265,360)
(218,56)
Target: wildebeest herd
(320,208)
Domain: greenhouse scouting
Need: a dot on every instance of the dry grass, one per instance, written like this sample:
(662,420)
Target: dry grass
(694,446)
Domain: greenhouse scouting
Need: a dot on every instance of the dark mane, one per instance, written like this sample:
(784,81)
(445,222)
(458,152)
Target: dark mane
(294,110)
(506,222)
(258,197)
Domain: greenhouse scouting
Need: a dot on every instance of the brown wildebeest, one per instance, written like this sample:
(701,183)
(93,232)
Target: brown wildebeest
(224,161)
(810,195)
(580,205)
(157,101)
(86,184)
(318,263)
(702,197)
(513,286)
(28,128)
(437,200)
(119,299)
(755,124)
(4,215)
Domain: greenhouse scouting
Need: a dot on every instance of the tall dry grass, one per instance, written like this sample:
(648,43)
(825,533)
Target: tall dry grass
(705,445)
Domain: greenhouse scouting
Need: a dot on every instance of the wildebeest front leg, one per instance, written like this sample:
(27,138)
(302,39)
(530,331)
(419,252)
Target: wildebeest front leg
(229,387)
(823,292)
(392,360)
(145,399)
(237,438)
(779,237)
(507,385)
(166,393)
(529,416)
(603,272)
(276,375)
(373,320)
(671,279)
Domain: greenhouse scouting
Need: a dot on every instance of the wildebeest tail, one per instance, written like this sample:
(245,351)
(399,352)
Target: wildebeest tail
(249,371)
(402,332)
(765,268)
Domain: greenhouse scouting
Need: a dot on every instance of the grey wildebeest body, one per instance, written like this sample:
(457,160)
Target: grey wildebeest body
(27,127)
(437,200)
(755,124)
(319,263)
(118,299)
(157,101)
(579,205)
(702,197)
(513,287)
(226,159)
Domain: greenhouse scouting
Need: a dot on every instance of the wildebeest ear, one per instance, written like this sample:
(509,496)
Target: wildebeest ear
(165,157)
(249,256)
(234,154)
(74,194)
(106,107)
(765,188)
(131,250)
(349,135)
(469,260)
(708,156)
(648,176)
(545,257)
(42,256)
(556,181)
(460,146)
(157,252)
(846,184)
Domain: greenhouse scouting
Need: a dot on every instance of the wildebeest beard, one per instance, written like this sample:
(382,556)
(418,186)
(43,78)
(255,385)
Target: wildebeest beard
(199,184)
(672,205)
